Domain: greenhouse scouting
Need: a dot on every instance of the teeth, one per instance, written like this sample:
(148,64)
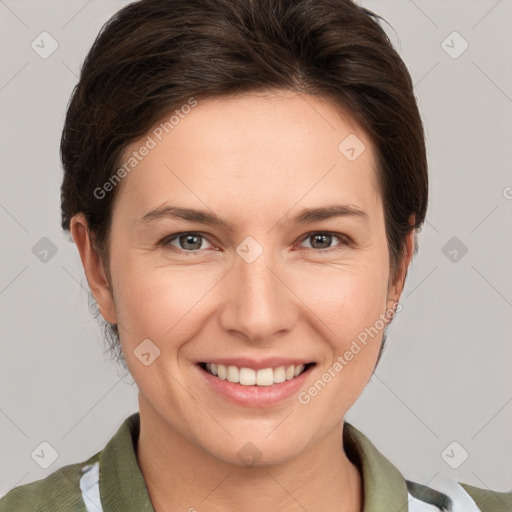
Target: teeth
(222,372)
(250,377)
(265,377)
(247,377)
(279,374)
(233,374)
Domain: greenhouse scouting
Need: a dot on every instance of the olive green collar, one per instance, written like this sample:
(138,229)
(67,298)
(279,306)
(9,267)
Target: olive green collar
(384,486)
(122,485)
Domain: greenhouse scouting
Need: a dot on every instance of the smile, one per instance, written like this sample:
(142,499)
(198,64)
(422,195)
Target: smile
(252,377)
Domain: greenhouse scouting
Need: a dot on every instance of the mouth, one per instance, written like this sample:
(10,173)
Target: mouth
(252,377)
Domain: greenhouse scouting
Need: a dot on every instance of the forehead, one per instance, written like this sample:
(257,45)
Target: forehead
(253,152)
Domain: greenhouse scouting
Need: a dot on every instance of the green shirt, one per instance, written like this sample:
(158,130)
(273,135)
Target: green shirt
(111,481)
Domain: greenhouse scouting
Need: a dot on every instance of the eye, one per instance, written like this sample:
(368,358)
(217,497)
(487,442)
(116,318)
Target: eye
(321,240)
(192,241)
(188,241)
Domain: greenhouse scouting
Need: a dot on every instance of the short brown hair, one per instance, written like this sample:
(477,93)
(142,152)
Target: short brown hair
(152,56)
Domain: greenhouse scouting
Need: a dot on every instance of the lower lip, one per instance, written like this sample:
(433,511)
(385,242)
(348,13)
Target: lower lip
(255,396)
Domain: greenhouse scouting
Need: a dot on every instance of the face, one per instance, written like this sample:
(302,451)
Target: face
(270,285)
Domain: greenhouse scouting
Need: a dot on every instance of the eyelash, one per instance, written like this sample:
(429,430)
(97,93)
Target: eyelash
(344,240)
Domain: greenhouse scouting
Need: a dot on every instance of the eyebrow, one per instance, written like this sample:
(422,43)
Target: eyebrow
(305,216)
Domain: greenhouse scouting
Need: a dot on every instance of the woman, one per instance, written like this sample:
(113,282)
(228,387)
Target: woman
(244,181)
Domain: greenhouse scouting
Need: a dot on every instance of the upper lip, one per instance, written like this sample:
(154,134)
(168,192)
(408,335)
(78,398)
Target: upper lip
(257,364)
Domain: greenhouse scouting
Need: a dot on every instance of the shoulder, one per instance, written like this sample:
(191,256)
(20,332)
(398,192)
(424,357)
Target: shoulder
(447,495)
(64,490)
(490,501)
(386,488)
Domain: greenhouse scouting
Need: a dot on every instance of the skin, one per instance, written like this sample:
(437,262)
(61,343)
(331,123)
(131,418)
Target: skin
(255,160)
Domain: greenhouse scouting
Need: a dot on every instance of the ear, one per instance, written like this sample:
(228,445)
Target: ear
(396,287)
(93,267)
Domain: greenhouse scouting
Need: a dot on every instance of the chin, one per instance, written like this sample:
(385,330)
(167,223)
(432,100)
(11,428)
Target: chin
(255,451)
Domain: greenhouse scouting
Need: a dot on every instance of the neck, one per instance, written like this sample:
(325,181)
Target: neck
(180,475)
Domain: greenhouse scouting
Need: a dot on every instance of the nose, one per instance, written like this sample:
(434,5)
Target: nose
(259,304)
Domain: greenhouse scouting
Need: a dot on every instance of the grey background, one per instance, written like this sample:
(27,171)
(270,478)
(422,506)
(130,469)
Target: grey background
(445,375)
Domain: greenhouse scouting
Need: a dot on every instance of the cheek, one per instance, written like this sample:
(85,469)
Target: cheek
(346,299)
(350,307)
(158,302)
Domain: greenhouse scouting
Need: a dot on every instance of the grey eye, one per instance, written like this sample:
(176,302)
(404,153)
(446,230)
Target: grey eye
(322,240)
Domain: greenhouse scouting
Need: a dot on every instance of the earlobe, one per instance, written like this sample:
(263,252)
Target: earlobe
(93,268)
